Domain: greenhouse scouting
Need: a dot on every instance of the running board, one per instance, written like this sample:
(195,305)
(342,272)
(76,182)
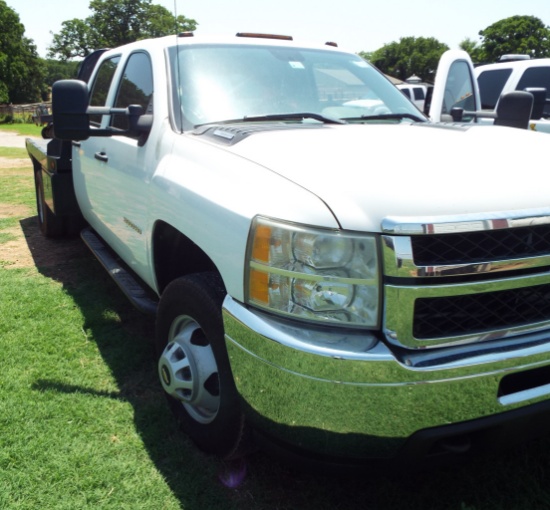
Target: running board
(133,290)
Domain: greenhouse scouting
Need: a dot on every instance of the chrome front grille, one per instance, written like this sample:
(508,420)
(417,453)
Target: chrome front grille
(480,313)
(443,249)
(466,280)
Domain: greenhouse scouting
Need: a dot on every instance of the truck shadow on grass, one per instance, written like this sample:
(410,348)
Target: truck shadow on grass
(517,478)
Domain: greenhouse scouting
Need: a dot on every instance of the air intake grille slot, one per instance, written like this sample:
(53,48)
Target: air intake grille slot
(469,247)
(477,313)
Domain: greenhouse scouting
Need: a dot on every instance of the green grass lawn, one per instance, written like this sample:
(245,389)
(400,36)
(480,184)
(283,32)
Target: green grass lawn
(83,423)
(13,152)
(22,129)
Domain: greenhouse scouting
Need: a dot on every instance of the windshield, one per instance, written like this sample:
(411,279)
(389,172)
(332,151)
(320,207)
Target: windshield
(220,83)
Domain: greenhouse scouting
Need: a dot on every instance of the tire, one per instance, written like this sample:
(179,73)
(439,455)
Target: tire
(193,365)
(50,225)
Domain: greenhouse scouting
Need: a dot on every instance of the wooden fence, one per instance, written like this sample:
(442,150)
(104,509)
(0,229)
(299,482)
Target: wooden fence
(30,112)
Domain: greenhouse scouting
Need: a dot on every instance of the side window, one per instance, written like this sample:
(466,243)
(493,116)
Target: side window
(136,87)
(100,88)
(407,92)
(491,84)
(459,89)
(537,77)
(419,93)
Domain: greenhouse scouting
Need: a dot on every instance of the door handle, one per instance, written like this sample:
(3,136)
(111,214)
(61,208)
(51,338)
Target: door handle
(102,156)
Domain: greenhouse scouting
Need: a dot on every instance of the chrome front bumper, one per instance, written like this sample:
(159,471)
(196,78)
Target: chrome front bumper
(350,396)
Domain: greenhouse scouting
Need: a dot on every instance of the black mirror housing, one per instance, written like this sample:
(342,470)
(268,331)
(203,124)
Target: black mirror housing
(71,114)
(69,105)
(514,109)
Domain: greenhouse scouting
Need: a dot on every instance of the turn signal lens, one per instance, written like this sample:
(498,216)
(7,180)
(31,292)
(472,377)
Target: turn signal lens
(262,240)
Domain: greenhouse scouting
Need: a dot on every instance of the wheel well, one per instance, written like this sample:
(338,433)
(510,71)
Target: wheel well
(175,255)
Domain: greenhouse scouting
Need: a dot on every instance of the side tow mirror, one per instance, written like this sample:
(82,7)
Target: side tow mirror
(69,105)
(514,109)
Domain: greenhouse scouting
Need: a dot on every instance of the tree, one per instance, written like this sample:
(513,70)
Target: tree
(76,39)
(21,70)
(113,23)
(473,49)
(58,70)
(410,56)
(517,34)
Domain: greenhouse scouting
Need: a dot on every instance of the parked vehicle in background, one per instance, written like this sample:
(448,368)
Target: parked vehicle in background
(516,74)
(480,89)
(320,284)
(42,115)
(415,92)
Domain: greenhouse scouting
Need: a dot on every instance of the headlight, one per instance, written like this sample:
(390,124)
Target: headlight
(320,275)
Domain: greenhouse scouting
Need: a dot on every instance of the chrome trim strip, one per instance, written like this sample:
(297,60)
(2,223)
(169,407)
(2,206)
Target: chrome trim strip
(398,258)
(453,224)
(418,366)
(332,342)
(522,396)
(316,277)
(399,310)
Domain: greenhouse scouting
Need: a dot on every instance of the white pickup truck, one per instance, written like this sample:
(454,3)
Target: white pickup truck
(479,92)
(332,274)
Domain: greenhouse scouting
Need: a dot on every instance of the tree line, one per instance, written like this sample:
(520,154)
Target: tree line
(419,56)
(27,78)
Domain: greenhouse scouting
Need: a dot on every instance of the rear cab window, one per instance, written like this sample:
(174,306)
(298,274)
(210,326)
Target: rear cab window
(101,86)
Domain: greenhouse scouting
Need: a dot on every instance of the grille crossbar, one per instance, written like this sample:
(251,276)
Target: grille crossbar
(469,247)
(479,313)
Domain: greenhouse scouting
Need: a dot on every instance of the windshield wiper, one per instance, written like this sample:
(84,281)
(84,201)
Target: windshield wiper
(279,117)
(388,116)
(294,116)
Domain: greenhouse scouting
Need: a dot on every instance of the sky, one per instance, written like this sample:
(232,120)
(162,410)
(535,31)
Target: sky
(356,25)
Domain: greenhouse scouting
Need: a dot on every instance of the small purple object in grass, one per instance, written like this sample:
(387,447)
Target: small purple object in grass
(233,475)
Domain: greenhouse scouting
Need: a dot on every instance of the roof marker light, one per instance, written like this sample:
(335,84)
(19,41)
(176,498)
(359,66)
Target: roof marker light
(265,36)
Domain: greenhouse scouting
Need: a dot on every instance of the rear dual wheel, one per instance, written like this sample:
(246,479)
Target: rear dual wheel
(50,225)
(193,364)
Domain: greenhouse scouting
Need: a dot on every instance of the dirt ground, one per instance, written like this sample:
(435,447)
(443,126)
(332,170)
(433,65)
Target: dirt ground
(9,139)
(26,246)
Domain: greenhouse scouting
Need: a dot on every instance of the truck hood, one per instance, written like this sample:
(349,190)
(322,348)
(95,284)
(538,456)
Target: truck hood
(365,173)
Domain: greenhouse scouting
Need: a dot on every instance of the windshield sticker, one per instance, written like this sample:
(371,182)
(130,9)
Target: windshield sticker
(297,65)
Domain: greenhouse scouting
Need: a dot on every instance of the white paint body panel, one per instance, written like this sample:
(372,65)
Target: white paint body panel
(334,176)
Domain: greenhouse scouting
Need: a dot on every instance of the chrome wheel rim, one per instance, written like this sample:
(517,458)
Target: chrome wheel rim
(188,371)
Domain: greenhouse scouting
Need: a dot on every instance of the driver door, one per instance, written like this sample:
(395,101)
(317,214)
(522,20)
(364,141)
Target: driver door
(455,87)
(112,173)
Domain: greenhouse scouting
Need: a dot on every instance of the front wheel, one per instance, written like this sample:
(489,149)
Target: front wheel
(193,364)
